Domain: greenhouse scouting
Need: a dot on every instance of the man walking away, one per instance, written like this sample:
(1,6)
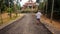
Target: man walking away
(38,16)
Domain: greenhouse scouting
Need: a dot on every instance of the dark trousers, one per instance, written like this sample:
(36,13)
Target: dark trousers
(38,20)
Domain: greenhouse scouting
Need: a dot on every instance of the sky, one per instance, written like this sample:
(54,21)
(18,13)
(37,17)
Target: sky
(24,1)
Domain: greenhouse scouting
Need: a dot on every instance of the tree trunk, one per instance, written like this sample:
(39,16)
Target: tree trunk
(52,11)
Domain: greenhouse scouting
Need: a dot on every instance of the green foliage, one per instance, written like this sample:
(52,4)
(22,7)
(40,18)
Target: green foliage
(41,6)
(4,4)
(18,7)
(9,10)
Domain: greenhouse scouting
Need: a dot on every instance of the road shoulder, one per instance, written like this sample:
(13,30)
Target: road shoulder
(54,27)
(10,22)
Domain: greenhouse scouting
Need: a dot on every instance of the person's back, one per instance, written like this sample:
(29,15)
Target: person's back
(38,15)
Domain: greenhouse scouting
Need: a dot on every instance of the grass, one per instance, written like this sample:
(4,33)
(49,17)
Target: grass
(6,18)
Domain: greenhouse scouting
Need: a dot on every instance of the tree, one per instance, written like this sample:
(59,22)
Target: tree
(4,4)
(56,12)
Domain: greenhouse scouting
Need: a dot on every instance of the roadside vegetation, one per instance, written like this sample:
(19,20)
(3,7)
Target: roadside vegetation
(50,8)
(8,11)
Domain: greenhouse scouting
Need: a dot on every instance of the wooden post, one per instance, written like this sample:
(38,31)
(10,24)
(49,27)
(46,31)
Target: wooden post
(52,11)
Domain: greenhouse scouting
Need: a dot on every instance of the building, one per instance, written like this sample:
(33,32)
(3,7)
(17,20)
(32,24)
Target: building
(29,4)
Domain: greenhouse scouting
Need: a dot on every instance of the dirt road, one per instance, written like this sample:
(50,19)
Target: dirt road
(26,25)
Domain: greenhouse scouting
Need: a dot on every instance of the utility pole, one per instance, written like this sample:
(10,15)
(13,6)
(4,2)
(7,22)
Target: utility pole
(52,11)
